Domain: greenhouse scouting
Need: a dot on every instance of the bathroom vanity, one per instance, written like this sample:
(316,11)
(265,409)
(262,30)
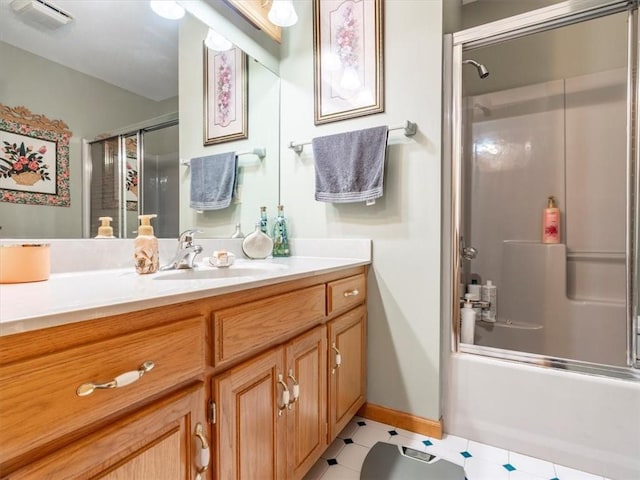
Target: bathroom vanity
(223,376)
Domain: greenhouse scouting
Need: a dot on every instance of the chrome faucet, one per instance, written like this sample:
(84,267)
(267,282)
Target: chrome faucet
(186,252)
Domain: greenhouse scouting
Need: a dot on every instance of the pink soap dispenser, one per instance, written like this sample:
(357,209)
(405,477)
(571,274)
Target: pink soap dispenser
(551,222)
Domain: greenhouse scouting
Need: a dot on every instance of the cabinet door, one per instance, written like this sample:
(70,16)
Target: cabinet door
(307,413)
(251,419)
(158,442)
(347,368)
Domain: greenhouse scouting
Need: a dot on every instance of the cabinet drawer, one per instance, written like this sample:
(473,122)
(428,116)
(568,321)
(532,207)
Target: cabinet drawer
(248,327)
(38,396)
(346,293)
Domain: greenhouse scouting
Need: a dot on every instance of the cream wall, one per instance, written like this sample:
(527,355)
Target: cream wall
(88,106)
(404,281)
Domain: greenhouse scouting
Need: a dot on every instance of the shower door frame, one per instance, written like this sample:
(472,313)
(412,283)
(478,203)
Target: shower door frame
(548,18)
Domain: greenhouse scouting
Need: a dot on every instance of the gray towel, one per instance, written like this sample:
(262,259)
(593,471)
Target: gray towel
(213,181)
(350,166)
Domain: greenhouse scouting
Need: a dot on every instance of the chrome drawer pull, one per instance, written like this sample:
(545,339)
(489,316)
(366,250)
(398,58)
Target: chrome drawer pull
(352,293)
(204,455)
(127,378)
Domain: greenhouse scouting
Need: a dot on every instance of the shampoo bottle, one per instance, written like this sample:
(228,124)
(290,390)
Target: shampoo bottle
(551,222)
(146,255)
(467,322)
(105,230)
(490,294)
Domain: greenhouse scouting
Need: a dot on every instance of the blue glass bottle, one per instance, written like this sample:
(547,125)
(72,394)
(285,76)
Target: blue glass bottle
(280,235)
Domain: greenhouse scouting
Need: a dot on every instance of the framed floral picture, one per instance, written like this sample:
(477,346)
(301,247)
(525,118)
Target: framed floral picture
(225,96)
(348,59)
(34,158)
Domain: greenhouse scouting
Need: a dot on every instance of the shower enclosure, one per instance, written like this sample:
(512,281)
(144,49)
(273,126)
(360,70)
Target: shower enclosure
(132,173)
(550,109)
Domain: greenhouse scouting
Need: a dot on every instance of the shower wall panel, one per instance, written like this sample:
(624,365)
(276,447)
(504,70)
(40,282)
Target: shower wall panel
(515,162)
(564,138)
(595,188)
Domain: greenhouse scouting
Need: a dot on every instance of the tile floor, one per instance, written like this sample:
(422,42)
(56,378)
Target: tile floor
(343,459)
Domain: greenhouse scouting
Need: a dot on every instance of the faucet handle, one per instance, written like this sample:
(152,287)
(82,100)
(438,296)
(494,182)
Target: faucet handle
(187,236)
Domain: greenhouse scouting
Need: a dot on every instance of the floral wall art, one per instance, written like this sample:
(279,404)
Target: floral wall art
(348,54)
(225,88)
(34,158)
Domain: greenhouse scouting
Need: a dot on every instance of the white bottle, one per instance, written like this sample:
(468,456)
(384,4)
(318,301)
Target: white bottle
(468,322)
(490,294)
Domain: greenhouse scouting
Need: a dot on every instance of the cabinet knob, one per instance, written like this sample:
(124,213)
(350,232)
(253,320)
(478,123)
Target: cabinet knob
(204,455)
(352,293)
(122,380)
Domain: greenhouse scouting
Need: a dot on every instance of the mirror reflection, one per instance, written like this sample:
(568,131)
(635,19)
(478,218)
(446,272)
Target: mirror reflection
(107,83)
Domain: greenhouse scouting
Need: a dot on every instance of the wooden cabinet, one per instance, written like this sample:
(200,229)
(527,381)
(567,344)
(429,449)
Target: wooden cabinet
(306,361)
(347,368)
(157,441)
(271,412)
(110,407)
(121,397)
(277,412)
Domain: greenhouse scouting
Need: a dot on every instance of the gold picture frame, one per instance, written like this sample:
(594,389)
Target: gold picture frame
(348,40)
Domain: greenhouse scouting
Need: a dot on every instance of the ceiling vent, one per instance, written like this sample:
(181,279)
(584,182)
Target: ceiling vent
(41,13)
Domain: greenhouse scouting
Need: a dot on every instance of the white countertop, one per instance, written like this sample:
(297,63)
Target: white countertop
(84,295)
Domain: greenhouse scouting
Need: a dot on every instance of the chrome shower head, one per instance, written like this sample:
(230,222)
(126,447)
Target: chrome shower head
(482,70)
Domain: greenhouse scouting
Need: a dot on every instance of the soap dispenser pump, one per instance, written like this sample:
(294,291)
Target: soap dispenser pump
(146,255)
(105,230)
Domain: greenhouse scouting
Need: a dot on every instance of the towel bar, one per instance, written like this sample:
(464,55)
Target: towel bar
(260,152)
(409,128)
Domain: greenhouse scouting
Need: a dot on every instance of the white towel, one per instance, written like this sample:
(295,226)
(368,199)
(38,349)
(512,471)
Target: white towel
(213,181)
(350,166)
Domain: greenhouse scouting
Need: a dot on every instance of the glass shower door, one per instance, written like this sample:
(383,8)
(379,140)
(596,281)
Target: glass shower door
(132,174)
(551,119)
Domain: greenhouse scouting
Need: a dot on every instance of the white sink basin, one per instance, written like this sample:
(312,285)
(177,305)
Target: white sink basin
(240,268)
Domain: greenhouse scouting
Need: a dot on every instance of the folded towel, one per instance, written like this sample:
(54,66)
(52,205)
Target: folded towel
(213,181)
(350,166)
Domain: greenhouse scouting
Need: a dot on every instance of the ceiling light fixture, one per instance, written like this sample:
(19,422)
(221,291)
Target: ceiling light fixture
(282,13)
(217,42)
(167,9)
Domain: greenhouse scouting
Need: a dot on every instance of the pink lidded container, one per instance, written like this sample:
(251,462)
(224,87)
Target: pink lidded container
(21,263)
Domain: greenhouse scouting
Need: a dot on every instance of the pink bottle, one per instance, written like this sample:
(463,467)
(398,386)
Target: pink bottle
(551,222)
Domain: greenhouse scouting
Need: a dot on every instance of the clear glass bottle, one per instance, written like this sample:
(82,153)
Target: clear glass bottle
(280,235)
(263,220)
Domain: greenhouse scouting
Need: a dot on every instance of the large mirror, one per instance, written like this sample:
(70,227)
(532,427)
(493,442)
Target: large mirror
(108,82)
